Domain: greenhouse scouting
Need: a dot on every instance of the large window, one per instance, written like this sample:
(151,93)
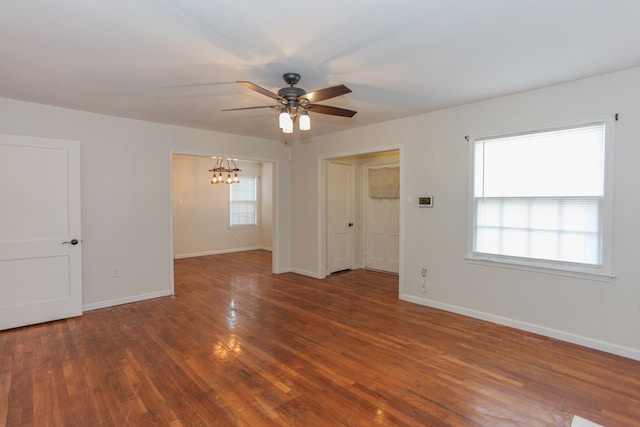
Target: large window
(540,199)
(243,197)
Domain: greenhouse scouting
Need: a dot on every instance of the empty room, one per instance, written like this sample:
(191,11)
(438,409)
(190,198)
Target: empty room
(412,213)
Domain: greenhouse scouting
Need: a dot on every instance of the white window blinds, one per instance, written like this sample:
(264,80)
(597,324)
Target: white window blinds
(540,195)
(243,204)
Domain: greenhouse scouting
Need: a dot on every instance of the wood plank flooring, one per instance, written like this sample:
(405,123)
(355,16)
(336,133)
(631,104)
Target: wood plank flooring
(239,346)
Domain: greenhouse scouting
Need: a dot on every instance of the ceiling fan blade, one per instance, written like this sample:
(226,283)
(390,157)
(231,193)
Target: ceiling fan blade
(251,108)
(259,89)
(327,93)
(334,111)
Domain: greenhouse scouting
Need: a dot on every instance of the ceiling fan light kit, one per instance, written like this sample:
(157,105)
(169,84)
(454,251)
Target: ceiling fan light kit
(295,103)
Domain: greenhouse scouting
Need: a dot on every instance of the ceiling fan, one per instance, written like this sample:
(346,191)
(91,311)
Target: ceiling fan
(294,102)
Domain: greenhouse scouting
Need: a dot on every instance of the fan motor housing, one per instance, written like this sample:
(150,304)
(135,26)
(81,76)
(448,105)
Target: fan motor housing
(291,94)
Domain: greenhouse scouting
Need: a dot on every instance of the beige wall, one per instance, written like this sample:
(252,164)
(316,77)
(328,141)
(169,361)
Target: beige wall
(201,210)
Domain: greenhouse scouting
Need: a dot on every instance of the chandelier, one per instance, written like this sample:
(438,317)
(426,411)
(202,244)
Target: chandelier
(227,167)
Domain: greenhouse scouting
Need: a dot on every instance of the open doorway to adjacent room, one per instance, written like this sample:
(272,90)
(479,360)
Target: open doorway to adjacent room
(211,219)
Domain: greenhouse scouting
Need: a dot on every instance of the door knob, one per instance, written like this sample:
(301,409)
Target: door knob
(350,224)
(72,242)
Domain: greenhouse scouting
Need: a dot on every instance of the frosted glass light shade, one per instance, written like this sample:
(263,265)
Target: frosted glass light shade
(284,120)
(305,122)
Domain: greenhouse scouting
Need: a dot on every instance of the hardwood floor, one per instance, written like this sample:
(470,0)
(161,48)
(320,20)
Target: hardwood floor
(240,346)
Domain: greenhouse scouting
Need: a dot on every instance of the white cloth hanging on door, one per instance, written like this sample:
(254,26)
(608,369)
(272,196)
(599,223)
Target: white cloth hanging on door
(384,183)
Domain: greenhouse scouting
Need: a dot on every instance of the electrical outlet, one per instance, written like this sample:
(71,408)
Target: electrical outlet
(424,280)
(115,272)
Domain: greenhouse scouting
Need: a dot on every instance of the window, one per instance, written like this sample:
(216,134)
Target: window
(540,199)
(243,197)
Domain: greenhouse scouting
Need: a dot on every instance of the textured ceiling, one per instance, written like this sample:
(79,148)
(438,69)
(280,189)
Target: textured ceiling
(176,62)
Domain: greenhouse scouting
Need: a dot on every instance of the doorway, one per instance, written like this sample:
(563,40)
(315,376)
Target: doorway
(374,236)
(201,211)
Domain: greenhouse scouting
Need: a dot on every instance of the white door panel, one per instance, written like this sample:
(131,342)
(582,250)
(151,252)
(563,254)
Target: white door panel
(28,171)
(382,247)
(40,268)
(340,216)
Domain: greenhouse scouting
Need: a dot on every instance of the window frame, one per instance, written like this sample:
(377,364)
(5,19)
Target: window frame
(256,202)
(603,271)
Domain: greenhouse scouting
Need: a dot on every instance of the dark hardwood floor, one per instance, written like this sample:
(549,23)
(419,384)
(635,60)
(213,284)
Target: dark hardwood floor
(238,346)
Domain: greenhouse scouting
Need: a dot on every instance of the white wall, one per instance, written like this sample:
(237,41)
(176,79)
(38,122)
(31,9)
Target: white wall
(201,210)
(266,217)
(435,160)
(126,192)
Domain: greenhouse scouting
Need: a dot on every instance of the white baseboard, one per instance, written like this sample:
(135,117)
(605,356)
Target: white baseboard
(616,349)
(218,252)
(125,300)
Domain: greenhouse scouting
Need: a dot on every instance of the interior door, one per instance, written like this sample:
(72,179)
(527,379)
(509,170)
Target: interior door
(382,235)
(40,254)
(340,216)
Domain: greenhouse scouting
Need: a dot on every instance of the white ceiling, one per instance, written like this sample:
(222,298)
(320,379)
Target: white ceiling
(176,62)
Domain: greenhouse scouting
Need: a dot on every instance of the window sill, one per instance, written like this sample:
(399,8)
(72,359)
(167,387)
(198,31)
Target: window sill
(541,267)
(243,227)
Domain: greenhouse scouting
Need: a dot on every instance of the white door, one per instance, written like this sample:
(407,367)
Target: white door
(40,255)
(340,216)
(382,236)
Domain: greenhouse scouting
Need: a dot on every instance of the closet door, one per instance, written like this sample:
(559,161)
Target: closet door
(340,216)
(40,250)
(382,229)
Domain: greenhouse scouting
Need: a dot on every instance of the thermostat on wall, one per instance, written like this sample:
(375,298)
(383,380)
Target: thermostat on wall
(425,201)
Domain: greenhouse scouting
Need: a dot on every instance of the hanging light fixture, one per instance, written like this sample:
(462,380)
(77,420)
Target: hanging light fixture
(288,115)
(227,166)
(294,103)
